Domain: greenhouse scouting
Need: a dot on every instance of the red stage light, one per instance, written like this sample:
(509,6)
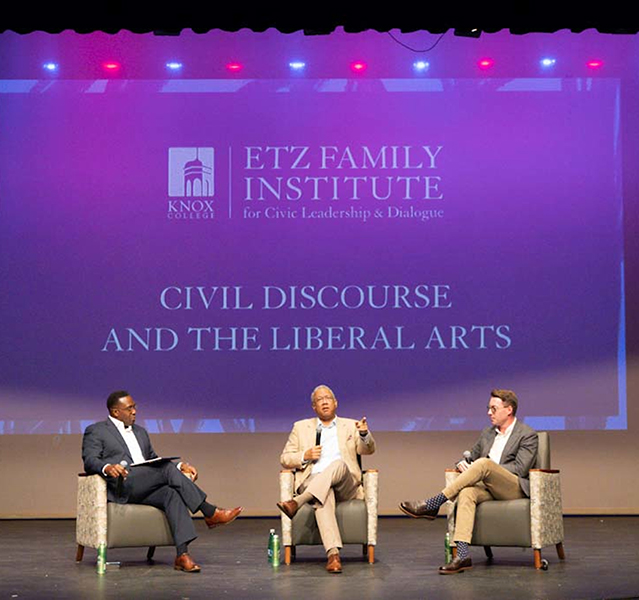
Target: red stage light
(358,66)
(111,66)
(234,67)
(594,64)
(486,63)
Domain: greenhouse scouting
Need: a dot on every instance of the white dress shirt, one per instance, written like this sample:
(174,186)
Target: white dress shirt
(131,441)
(330,446)
(501,439)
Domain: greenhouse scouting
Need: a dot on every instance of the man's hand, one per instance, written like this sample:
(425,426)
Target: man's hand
(189,470)
(313,454)
(362,426)
(115,471)
(462,465)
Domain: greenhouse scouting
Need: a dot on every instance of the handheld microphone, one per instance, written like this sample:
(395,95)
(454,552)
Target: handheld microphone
(124,464)
(467,456)
(318,434)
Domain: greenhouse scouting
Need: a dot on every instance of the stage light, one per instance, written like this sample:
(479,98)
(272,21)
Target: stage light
(234,67)
(421,66)
(111,66)
(50,66)
(358,66)
(486,63)
(174,66)
(546,63)
(594,64)
(297,65)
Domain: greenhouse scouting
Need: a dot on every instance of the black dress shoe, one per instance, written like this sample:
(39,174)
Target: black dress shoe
(456,566)
(418,510)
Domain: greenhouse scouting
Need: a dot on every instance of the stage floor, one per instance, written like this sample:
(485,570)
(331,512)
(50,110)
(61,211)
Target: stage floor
(602,561)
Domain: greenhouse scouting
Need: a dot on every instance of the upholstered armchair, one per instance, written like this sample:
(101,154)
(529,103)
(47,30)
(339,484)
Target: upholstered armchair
(356,519)
(534,522)
(117,525)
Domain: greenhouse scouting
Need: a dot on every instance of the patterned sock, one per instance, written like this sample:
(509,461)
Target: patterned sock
(435,501)
(182,548)
(462,550)
(208,510)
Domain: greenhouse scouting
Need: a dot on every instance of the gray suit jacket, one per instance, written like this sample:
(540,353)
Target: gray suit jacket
(102,444)
(519,455)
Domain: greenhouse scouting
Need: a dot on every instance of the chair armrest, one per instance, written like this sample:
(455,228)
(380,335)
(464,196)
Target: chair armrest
(287,489)
(371,497)
(449,507)
(546,512)
(91,520)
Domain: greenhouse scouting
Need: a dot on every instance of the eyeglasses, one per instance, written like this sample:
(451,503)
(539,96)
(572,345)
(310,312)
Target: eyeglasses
(494,409)
(320,398)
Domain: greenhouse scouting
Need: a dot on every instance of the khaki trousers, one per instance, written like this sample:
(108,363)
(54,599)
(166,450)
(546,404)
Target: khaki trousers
(483,480)
(334,484)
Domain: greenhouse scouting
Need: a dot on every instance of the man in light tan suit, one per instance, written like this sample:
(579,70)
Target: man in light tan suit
(323,451)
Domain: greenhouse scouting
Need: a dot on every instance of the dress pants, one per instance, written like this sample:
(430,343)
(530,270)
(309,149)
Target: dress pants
(334,484)
(166,488)
(483,480)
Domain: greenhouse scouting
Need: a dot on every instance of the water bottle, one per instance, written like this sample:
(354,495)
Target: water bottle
(276,550)
(271,540)
(101,564)
(447,549)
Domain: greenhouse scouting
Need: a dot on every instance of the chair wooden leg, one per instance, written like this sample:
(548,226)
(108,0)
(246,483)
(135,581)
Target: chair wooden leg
(79,553)
(287,555)
(537,558)
(150,553)
(560,550)
(371,554)
(454,552)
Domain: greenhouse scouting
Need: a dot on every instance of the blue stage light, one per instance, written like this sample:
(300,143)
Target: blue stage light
(547,62)
(421,65)
(174,65)
(50,66)
(297,65)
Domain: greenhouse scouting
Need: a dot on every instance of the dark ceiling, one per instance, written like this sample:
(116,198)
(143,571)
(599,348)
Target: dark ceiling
(170,17)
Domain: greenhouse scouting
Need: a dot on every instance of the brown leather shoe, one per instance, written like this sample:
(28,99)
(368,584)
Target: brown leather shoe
(289,508)
(456,566)
(334,564)
(185,563)
(418,510)
(222,516)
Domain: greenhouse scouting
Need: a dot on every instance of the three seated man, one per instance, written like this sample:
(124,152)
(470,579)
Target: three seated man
(323,450)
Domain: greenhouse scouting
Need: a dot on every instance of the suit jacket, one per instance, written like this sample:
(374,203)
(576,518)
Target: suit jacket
(102,444)
(519,455)
(302,437)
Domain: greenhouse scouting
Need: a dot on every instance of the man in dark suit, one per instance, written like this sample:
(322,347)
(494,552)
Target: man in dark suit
(110,446)
(497,469)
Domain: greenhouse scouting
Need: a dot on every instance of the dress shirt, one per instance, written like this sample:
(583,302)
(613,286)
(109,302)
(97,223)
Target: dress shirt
(131,441)
(501,439)
(330,447)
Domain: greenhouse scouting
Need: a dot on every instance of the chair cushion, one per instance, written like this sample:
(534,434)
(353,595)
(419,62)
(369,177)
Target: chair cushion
(502,523)
(132,525)
(352,520)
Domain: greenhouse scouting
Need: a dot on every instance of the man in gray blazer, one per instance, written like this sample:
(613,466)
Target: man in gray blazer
(109,447)
(497,469)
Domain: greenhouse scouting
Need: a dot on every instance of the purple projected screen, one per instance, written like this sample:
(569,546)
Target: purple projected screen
(219,248)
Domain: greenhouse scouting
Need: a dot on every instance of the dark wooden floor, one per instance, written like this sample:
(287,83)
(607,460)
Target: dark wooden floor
(37,560)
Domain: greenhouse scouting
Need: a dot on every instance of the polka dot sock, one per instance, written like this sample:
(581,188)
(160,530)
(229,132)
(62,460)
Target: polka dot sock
(435,502)
(462,550)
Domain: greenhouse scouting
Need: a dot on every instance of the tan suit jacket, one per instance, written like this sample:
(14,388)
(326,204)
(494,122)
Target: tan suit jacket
(302,437)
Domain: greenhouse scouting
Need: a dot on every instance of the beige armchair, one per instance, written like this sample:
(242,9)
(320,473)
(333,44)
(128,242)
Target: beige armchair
(534,522)
(117,525)
(356,519)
